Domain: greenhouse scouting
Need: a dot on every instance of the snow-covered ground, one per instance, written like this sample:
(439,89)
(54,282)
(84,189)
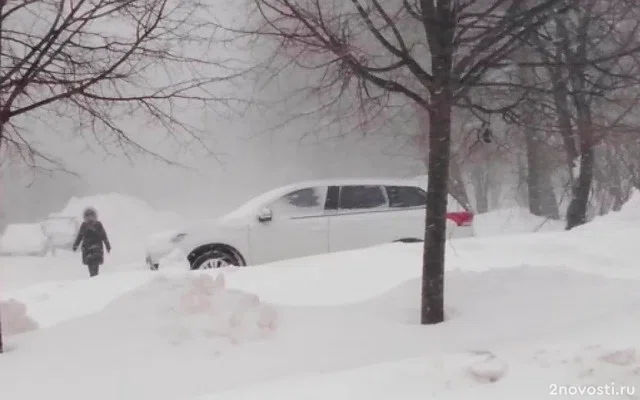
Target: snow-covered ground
(529,315)
(510,221)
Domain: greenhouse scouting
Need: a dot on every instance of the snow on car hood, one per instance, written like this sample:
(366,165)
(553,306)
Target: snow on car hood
(159,240)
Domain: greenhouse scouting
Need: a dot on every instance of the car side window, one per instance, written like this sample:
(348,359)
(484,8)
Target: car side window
(361,197)
(406,196)
(300,203)
(333,195)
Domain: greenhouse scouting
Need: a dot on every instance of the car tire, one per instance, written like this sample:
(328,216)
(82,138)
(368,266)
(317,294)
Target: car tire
(408,240)
(215,258)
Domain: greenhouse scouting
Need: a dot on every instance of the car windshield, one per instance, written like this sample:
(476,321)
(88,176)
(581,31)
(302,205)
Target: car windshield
(252,206)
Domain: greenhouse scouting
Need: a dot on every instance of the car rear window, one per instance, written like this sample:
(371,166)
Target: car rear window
(361,197)
(406,196)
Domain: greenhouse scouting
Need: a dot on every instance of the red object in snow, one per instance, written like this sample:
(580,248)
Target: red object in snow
(463,218)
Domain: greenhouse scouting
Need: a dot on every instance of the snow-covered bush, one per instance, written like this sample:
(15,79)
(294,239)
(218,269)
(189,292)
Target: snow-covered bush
(221,312)
(15,320)
(128,221)
(23,239)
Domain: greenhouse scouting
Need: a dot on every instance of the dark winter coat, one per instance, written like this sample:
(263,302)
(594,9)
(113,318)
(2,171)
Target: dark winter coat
(93,236)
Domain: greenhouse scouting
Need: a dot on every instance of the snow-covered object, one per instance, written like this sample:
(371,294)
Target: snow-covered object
(61,231)
(160,246)
(127,220)
(15,320)
(524,312)
(23,239)
(209,308)
(275,226)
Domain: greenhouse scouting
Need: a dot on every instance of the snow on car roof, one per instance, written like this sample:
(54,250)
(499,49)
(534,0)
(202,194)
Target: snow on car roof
(351,181)
(273,194)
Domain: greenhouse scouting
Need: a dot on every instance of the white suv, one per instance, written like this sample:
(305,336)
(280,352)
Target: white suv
(310,218)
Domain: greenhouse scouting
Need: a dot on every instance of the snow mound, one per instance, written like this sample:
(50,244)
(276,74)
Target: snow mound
(15,320)
(453,376)
(627,217)
(183,335)
(54,302)
(219,312)
(632,206)
(191,308)
(128,221)
(510,221)
(23,239)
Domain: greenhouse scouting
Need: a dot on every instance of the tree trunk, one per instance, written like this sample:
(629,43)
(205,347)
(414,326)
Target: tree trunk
(533,168)
(577,210)
(440,37)
(617,189)
(481,188)
(522,192)
(563,110)
(436,222)
(541,198)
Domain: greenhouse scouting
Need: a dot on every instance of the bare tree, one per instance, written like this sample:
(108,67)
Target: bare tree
(102,69)
(426,53)
(91,67)
(592,61)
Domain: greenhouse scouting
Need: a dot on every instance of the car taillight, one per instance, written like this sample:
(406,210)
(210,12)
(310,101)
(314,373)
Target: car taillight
(463,218)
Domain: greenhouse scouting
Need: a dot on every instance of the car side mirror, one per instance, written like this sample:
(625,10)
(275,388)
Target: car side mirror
(265,215)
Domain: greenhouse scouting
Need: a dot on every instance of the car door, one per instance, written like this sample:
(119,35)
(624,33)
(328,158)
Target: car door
(408,205)
(361,218)
(298,227)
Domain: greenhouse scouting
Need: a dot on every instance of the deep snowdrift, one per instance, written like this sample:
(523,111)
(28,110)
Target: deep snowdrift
(550,324)
(14,318)
(509,221)
(22,240)
(524,312)
(128,221)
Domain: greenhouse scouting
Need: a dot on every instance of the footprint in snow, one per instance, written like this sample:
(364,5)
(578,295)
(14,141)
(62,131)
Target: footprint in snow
(624,357)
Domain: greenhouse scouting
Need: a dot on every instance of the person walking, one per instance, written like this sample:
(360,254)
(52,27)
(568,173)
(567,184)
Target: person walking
(94,239)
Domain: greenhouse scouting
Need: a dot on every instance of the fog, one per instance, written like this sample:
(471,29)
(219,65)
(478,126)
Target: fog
(250,150)
(247,158)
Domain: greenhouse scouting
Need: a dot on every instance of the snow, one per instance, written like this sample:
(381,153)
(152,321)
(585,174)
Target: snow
(626,217)
(53,302)
(15,320)
(127,220)
(513,221)
(253,205)
(529,312)
(23,239)
(61,231)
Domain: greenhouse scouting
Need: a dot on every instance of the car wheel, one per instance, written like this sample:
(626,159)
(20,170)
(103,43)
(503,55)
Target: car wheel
(216,258)
(408,240)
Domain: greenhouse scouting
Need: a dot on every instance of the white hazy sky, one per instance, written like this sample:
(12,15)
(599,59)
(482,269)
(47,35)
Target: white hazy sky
(249,161)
